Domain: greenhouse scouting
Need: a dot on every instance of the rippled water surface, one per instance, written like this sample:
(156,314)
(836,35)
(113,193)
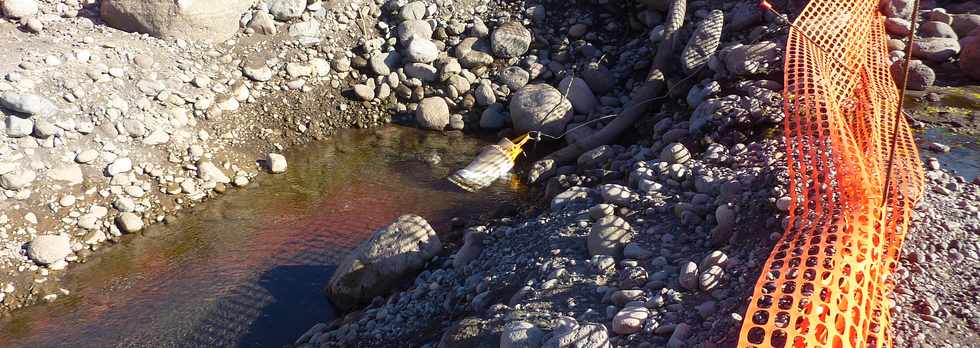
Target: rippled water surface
(248,269)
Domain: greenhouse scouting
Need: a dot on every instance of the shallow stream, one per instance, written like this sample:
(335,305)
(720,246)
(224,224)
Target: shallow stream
(248,270)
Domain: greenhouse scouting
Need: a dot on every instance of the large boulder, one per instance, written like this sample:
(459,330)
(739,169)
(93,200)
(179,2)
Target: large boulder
(921,75)
(963,24)
(393,253)
(540,107)
(210,21)
(49,249)
(935,49)
(19,8)
(970,57)
(510,39)
(609,236)
(432,113)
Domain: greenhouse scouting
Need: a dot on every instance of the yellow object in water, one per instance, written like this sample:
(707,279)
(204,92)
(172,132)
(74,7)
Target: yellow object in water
(491,164)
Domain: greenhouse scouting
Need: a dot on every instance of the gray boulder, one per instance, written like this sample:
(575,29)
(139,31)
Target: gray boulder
(569,334)
(19,8)
(937,29)
(970,57)
(432,113)
(704,42)
(579,94)
(28,104)
(510,39)
(609,236)
(393,253)
(49,249)
(921,75)
(963,24)
(540,107)
(286,9)
(935,49)
(209,21)
(18,127)
(752,59)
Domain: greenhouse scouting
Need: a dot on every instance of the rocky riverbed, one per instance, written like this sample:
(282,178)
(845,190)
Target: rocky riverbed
(118,114)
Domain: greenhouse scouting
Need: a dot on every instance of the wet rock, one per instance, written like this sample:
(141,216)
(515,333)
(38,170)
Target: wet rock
(540,107)
(129,222)
(609,236)
(376,266)
(579,94)
(276,163)
(48,249)
(19,8)
(921,76)
(935,49)
(510,39)
(704,42)
(432,113)
(520,334)
(209,21)
(17,179)
(630,320)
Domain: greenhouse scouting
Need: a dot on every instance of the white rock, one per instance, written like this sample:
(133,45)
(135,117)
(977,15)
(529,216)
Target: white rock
(276,163)
(48,249)
(421,51)
(17,179)
(19,8)
(119,166)
(629,320)
(209,172)
(432,113)
(129,222)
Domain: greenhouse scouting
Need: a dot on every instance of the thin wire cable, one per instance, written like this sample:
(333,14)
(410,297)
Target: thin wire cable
(901,100)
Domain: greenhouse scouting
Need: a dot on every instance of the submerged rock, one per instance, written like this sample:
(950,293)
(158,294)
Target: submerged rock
(393,253)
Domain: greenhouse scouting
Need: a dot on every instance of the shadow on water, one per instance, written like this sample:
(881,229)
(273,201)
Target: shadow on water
(248,270)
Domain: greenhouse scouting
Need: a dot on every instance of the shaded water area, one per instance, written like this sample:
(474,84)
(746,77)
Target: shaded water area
(248,270)
(963,157)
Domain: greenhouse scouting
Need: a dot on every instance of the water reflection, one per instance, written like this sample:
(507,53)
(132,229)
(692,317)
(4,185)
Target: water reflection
(248,270)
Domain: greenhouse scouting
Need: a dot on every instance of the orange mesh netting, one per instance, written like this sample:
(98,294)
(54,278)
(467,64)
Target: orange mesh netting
(827,280)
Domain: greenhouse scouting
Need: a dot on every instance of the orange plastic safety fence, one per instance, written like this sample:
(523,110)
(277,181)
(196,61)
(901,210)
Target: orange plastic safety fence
(827,281)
